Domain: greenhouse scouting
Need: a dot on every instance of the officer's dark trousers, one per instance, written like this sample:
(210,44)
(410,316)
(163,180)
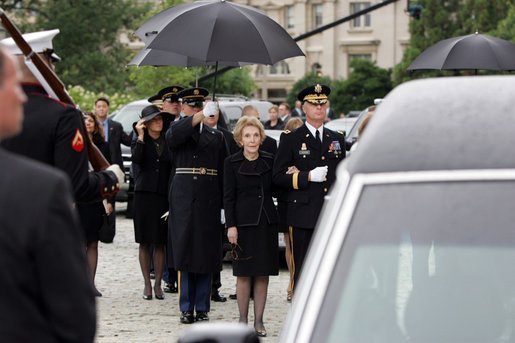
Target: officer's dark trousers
(194,292)
(300,239)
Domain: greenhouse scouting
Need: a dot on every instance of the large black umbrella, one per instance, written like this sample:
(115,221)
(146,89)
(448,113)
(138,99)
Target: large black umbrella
(219,30)
(158,58)
(471,52)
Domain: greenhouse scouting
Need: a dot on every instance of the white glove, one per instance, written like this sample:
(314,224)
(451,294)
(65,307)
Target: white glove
(210,109)
(318,174)
(118,172)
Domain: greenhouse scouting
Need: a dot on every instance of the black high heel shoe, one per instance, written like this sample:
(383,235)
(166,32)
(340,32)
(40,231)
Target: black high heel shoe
(159,295)
(261,332)
(147,296)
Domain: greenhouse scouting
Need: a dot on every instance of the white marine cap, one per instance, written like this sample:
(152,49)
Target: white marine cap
(40,41)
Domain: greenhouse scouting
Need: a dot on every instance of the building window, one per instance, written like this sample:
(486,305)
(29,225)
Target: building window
(289,17)
(353,57)
(317,16)
(280,68)
(361,21)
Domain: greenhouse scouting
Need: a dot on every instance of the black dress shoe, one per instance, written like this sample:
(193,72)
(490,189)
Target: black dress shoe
(187,317)
(232,296)
(97,293)
(201,317)
(170,289)
(216,297)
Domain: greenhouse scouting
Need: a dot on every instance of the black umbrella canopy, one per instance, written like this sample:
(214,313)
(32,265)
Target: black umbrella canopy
(471,52)
(158,58)
(219,30)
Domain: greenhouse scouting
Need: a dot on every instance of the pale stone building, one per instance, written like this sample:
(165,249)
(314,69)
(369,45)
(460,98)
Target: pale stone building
(380,36)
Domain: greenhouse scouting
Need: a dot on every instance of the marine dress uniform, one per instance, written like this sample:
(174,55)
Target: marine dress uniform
(301,149)
(53,132)
(198,155)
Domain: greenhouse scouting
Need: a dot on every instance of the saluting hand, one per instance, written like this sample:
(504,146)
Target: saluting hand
(232,235)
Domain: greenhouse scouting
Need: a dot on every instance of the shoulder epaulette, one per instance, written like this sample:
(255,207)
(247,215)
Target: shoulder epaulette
(287,131)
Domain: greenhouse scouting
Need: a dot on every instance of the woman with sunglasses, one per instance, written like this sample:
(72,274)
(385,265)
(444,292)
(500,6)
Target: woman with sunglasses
(251,218)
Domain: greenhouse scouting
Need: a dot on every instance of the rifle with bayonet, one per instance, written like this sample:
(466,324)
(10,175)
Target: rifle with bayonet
(52,84)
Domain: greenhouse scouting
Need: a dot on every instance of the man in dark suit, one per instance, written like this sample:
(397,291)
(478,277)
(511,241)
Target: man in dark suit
(53,132)
(58,305)
(114,136)
(315,151)
(113,130)
(198,153)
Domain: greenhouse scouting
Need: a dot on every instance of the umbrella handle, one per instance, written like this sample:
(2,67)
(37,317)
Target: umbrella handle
(214,82)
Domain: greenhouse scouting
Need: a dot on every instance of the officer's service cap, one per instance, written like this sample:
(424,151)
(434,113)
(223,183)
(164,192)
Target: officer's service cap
(40,42)
(315,94)
(155,100)
(193,96)
(170,93)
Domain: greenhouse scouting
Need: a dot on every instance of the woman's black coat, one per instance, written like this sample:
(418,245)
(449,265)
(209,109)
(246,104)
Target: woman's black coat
(248,191)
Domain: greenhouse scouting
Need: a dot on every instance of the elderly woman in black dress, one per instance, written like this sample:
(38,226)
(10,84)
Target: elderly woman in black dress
(150,155)
(251,218)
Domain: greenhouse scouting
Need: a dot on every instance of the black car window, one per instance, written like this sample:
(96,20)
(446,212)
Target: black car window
(425,262)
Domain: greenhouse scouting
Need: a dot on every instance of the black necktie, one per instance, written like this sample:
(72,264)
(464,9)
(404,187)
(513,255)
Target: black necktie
(317,136)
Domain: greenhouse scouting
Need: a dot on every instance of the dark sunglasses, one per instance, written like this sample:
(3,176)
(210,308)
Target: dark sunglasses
(195,103)
(236,252)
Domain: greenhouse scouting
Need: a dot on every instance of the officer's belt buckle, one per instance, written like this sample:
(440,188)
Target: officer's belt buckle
(197,171)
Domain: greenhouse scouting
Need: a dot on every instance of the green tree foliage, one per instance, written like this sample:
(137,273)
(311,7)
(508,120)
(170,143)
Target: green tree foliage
(506,27)
(366,82)
(88,43)
(235,81)
(446,19)
(308,80)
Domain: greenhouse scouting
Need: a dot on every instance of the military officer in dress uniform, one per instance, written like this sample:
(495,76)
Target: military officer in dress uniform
(315,151)
(198,152)
(168,101)
(53,132)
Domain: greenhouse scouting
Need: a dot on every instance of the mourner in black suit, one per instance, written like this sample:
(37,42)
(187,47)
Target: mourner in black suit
(114,136)
(39,235)
(53,132)
(198,152)
(315,151)
(251,218)
(113,130)
(150,154)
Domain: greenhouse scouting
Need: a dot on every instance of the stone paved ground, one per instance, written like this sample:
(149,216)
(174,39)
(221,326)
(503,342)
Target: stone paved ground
(123,316)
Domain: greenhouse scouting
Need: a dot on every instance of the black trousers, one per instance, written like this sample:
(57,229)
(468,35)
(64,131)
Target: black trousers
(300,238)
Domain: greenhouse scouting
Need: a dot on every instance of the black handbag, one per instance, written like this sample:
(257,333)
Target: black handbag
(107,231)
